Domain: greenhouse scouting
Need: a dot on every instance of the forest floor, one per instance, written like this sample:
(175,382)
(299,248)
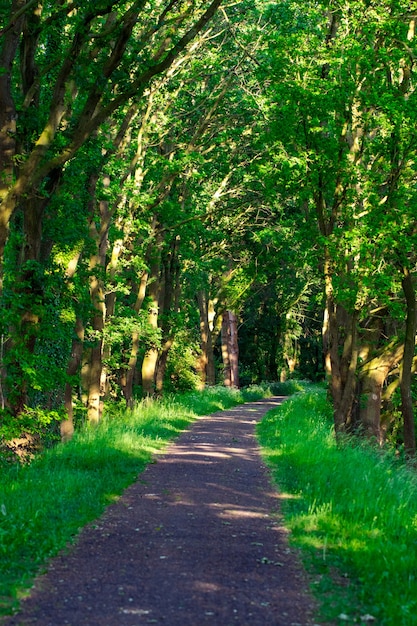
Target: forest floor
(197,539)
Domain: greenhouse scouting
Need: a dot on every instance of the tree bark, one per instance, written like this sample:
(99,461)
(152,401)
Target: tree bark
(230,349)
(372,377)
(206,365)
(331,347)
(169,304)
(234,349)
(128,376)
(340,354)
(227,373)
(149,361)
(67,425)
(9,48)
(407,409)
(153,292)
(162,364)
(97,269)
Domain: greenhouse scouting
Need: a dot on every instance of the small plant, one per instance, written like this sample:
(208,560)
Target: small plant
(288,387)
(26,434)
(181,375)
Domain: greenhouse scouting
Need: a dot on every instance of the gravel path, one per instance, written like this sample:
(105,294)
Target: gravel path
(197,540)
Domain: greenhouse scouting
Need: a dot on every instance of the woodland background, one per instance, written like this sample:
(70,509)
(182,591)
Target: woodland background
(194,192)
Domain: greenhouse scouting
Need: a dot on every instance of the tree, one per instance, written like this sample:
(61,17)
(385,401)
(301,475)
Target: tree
(342,114)
(66,90)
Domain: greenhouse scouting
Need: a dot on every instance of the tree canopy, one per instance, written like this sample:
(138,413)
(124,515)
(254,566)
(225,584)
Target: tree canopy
(204,191)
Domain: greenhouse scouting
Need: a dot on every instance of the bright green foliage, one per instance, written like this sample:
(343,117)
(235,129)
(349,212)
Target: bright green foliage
(272,149)
(180,375)
(341,104)
(102,179)
(352,511)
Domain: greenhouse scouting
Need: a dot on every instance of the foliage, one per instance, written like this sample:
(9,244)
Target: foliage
(288,387)
(34,429)
(181,375)
(258,156)
(341,166)
(358,547)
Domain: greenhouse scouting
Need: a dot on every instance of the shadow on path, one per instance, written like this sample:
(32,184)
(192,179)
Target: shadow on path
(196,540)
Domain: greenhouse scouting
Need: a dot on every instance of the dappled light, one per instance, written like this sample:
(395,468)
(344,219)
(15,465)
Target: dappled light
(198,539)
(204,203)
(351,509)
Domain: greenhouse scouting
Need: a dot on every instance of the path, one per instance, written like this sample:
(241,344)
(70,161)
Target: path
(195,541)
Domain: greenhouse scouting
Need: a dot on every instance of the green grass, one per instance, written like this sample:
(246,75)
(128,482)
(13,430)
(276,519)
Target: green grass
(44,505)
(352,511)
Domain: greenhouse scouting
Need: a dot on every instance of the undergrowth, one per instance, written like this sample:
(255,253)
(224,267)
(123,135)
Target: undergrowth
(44,504)
(351,509)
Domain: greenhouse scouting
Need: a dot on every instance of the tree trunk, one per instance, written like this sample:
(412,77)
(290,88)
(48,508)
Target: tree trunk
(407,365)
(67,425)
(95,361)
(289,351)
(214,330)
(372,380)
(97,268)
(227,374)
(230,349)
(331,347)
(204,341)
(169,304)
(8,116)
(110,304)
(128,377)
(94,406)
(149,367)
(151,355)
(348,371)
(208,335)
(373,375)
(234,350)
(340,354)
(162,365)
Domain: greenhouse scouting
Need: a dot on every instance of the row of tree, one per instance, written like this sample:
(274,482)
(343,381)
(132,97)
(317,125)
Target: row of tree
(345,122)
(175,174)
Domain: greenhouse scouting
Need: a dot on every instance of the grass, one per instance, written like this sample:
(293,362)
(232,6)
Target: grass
(352,511)
(44,505)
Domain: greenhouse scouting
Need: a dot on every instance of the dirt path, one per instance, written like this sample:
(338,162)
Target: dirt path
(196,540)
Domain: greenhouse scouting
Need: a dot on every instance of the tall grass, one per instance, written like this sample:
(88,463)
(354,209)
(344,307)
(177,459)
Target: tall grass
(351,509)
(43,505)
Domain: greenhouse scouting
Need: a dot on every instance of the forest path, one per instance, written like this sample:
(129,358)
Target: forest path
(197,540)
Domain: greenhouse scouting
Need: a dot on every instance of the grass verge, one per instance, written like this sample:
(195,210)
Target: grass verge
(44,505)
(352,510)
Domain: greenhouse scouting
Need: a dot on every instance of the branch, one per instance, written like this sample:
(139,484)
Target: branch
(16,16)
(93,116)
